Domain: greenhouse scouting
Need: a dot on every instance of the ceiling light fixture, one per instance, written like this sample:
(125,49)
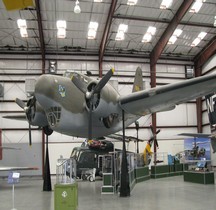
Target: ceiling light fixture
(23,27)
(148,35)
(196,6)
(23,32)
(214,21)
(175,35)
(131,2)
(93,26)
(61,26)
(165,4)
(98,0)
(21,23)
(198,39)
(122,29)
(61,33)
(77,8)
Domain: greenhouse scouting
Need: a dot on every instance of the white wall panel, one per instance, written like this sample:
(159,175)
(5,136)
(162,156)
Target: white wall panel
(26,156)
(27,66)
(9,123)
(211,63)
(55,150)
(21,137)
(14,90)
(184,114)
(12,106)
(170,70)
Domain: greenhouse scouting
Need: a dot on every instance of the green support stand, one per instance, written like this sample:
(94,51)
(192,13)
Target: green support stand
(107,187)
(66,196)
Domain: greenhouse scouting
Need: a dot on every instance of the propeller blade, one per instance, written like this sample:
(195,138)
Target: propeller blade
(90,121)
(103,81)
(156,143)
(79,84)
(20,103)
(158,131)
(30,139)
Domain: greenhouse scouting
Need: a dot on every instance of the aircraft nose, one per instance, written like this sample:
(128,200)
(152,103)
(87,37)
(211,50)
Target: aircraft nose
(44,87)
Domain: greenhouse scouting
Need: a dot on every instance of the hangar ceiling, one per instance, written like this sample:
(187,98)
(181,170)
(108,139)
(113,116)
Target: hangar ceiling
(42,29)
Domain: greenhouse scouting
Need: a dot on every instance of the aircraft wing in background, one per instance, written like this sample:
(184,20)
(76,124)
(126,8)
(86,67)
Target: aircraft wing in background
(127,138)
(6,168)
(196,135)
(13,148)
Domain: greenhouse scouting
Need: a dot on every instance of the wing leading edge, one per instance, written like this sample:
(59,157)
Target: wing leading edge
(166,97)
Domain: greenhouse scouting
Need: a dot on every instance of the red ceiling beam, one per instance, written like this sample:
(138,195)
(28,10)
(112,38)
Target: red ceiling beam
(158,49)
(105,34)
(205,54)
(41,36)
(166,21)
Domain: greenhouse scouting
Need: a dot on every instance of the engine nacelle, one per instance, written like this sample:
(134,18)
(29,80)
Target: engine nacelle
(37,116)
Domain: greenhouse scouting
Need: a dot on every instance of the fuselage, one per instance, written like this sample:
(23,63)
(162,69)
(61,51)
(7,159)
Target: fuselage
(67,111)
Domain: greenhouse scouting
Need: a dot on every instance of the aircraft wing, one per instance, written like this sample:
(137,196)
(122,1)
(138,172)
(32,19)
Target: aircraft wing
(2,168)
(166,97)
(13,148)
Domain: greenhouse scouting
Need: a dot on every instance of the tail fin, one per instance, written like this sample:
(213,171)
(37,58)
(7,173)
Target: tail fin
(211,108)
(138,80)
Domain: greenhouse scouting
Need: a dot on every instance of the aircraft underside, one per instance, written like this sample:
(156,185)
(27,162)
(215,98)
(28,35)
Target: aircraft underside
(77,125)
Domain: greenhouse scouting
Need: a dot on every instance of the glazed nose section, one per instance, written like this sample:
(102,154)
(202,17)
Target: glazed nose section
(44,87)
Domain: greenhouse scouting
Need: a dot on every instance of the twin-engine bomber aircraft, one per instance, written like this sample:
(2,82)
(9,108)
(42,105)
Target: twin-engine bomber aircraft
(78,105)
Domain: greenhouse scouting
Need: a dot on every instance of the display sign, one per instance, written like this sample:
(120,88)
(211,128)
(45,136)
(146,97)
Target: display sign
(13,177)
(197,148)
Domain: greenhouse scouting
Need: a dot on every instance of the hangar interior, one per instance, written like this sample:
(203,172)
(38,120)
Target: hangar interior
(24,59)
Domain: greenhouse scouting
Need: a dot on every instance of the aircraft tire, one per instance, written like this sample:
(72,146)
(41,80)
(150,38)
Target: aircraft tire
(91,179)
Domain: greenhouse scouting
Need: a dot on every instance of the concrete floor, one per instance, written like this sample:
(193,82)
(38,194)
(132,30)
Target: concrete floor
(156,194)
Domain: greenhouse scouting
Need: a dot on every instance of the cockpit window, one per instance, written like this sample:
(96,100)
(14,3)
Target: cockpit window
(71,74)
(68,74)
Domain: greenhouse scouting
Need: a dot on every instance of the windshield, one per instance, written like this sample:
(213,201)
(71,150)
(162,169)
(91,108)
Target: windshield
(75,154)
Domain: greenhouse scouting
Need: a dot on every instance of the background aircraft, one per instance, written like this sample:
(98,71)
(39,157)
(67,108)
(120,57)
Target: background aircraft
(211,108)
(81,106)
